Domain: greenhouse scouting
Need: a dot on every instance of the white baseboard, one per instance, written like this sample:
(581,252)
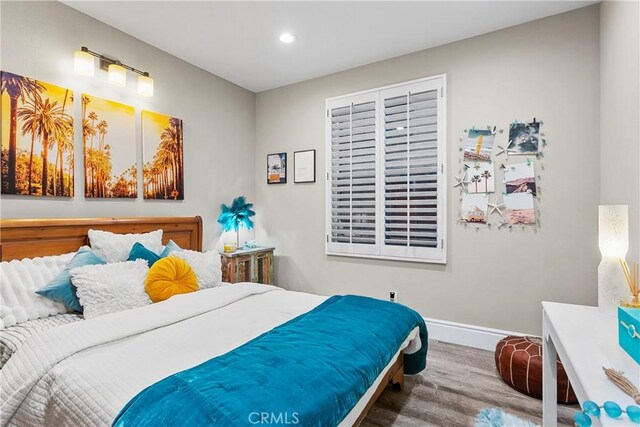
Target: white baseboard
(468,335)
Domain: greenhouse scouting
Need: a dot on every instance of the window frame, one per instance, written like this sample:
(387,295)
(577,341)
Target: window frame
(436,255)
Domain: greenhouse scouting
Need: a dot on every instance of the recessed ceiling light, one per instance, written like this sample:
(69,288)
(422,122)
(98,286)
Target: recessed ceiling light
(287,38)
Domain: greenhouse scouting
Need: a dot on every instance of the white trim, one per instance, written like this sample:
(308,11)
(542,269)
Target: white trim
(443,230)
(391,86)
(468,335)
(388,257)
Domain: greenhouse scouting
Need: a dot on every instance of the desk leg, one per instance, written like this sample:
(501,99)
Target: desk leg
(549,378)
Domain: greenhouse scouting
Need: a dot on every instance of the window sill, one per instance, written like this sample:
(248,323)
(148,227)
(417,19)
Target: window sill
(442,261)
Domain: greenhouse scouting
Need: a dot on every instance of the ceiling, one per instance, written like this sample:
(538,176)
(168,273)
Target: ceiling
(238,40)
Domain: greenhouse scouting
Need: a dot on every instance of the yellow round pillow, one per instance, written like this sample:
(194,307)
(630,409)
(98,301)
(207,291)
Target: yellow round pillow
(168,277)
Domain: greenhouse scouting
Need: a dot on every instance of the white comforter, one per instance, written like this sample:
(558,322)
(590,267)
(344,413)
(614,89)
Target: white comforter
(82,374)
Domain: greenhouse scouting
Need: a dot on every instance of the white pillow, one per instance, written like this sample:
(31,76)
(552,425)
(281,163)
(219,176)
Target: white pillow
(113,247)
(206,265)
(19,280)
(107,288)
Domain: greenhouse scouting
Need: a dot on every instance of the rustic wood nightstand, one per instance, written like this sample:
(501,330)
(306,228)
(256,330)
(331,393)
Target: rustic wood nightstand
(248,265)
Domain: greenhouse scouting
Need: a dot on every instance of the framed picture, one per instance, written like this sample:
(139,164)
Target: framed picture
(304,166)
(277,168)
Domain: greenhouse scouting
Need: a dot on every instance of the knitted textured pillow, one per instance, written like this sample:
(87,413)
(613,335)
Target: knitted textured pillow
(168,277)
(519,363)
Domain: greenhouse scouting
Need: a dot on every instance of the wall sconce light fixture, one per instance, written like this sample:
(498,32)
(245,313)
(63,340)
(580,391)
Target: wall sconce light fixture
(83,64)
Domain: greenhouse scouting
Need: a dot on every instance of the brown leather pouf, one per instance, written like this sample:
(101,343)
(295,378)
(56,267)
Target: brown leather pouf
(519,363)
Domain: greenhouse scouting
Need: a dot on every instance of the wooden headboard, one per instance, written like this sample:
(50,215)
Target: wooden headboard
(28,238)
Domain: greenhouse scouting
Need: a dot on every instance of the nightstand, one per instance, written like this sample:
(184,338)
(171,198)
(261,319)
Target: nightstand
(248,265)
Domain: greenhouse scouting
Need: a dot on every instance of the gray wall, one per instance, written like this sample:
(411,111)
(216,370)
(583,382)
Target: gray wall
(549,69)
(495,278)
(620,112)
(38,40)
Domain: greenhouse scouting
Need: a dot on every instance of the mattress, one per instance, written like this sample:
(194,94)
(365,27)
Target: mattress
(84,373)
(11,338)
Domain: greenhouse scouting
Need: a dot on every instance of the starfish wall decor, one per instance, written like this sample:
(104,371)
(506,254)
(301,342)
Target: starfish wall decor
(461,181)
(495,206)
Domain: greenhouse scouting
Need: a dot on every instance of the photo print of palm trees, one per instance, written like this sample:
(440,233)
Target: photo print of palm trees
(162,162)
(37,137)
(524,138)
(481,177)
(108,134)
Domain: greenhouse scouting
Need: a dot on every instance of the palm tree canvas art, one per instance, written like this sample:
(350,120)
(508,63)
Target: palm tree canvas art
(162,161)
(37,137)
(109,140)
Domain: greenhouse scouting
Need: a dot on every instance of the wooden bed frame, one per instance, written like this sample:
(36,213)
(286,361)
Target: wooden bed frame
(29,238)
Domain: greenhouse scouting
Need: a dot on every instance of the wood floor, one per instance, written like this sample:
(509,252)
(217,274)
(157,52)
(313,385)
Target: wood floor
(458,382)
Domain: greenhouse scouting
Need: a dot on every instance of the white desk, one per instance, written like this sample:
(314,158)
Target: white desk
(586,341)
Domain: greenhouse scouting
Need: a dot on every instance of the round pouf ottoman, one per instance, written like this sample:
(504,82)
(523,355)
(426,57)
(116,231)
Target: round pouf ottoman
(519,363)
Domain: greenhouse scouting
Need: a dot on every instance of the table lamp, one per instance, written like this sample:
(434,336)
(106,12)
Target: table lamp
(613,240)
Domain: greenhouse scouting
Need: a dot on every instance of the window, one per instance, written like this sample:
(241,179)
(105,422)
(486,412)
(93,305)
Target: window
(386,195)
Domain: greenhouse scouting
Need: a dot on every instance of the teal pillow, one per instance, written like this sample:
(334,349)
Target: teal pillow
(138,251)
(171,247)
(61,289)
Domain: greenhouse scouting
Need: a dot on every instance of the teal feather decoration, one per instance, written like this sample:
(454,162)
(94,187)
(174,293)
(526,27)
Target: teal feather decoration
(494,417)
(238,214)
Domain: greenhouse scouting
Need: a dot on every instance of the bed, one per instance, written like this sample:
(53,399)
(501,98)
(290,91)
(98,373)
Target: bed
(100,371)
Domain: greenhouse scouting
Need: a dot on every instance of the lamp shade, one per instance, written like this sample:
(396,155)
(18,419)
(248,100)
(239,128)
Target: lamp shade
(145,86)
(613,226)
(83,63)
(117,75)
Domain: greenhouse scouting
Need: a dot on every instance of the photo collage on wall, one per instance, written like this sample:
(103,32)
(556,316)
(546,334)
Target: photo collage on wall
(38,145)
(480,197)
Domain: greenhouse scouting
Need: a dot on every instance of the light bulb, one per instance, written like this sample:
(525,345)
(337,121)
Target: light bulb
(83,63)
(145,86)
(287,38)
(117,75)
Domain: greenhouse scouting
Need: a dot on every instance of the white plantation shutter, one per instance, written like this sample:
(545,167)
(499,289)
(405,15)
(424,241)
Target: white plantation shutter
(352,129)
(398,212)
(412,167)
